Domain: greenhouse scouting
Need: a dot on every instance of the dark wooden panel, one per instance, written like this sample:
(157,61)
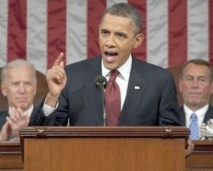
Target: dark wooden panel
(202,157)
(10,156)
(200,160)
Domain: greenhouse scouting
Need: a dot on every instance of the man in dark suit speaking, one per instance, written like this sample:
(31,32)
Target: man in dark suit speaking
(137,93)
(147,93)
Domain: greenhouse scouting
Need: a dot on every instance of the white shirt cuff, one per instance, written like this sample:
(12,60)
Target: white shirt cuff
(48,109)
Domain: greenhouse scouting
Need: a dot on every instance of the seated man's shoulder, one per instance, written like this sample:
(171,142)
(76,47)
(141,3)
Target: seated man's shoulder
(3,115)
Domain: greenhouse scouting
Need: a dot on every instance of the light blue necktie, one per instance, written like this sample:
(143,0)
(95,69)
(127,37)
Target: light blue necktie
(194,127)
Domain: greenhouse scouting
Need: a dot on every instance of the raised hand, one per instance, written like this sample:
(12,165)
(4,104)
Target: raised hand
(56,81)
(16,120)
(5,132)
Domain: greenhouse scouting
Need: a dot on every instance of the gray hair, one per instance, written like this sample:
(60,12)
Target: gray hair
(200,62)
(128,11)
(15,64)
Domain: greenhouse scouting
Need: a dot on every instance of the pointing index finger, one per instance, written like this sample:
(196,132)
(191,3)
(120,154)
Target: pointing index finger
(59,59)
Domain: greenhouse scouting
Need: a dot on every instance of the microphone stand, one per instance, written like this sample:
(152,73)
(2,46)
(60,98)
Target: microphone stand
(100,83)
(103,106)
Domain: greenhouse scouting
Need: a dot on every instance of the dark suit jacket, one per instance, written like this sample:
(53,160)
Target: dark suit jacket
(208,115)
(4,114)
(155,103)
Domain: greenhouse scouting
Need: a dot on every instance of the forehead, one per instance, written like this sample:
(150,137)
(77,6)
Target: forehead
(194,69)
(20,73)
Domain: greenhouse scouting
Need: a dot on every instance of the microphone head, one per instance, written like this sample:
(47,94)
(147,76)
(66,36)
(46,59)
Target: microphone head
(100,81)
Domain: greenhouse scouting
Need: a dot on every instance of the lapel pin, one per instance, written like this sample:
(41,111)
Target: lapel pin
(137,88)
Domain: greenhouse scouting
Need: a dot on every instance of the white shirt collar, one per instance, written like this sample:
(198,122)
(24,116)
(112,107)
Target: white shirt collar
(124,69)
(200,112)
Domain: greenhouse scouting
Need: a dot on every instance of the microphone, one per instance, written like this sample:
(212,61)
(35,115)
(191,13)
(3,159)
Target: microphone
(101,83)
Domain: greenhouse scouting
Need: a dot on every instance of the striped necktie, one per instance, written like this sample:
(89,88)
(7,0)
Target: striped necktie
(194,127)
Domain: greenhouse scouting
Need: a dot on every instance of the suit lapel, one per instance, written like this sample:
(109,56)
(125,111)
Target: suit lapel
(93,96)
(32,115)
(182,116)
(135,91)
(209,115)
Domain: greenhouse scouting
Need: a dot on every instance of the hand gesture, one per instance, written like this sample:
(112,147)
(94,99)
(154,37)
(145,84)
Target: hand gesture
(56,81)
(16,120)
(5,132)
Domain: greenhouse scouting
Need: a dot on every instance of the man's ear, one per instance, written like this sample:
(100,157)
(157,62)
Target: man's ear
(3,89)
(35,90)
(211,87)
(138,40)
(180,85)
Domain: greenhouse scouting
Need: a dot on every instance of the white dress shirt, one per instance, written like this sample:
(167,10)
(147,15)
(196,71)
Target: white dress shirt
(122,79)
(200,115)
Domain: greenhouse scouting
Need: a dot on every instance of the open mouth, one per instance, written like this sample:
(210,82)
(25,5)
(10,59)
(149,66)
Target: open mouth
(110,56)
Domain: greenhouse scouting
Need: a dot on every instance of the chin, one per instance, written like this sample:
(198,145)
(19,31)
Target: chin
(109,66)
(22,106)
(195,103)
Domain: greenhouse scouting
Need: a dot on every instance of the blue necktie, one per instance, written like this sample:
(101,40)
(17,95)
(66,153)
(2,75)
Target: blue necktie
(194,127)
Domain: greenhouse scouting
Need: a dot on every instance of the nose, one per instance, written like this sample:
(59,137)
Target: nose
(21,88)
(110,41)
(195,83)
